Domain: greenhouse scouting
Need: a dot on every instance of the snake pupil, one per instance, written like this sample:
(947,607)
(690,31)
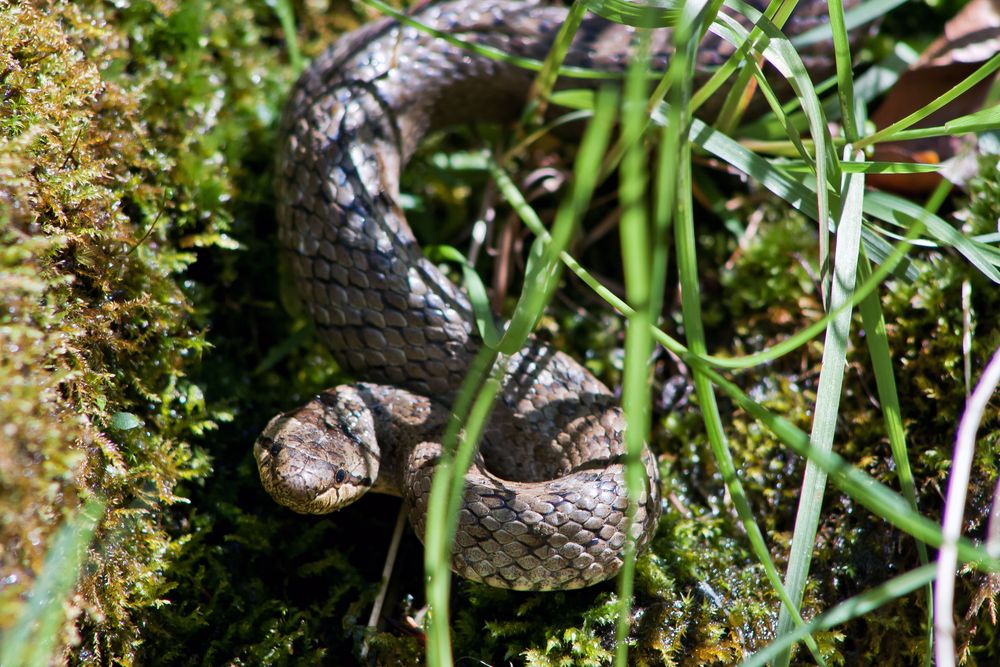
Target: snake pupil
(340,476)
(272,447)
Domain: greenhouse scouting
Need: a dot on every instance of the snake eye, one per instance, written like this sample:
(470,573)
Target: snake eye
(340,476)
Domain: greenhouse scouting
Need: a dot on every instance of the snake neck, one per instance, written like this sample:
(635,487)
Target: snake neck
(402,423)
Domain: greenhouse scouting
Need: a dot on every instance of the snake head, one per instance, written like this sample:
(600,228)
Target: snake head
(321,456)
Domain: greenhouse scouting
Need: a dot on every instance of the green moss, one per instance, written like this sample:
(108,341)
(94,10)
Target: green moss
(94,328)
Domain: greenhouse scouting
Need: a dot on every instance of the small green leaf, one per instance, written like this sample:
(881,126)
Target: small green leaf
(195,399)
(125,421)
(574,98)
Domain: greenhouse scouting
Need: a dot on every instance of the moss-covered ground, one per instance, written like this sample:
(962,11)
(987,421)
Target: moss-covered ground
(146,337)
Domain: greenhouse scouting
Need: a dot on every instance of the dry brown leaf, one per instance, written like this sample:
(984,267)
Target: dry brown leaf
(968,40)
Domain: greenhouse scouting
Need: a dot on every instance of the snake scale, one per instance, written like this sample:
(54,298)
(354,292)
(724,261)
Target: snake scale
(544,505)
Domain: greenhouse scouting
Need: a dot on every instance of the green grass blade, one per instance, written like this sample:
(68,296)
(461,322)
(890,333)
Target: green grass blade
(530,64)
(891,132)
(831,381)
(286,17)
(857,16)
(855,607)
(845,76)
(478,392)
(870,167)
(31,639)
(482,311)
(636,380)
(446,490)
(984,120)
(637,14)
(538,96)
(873,321)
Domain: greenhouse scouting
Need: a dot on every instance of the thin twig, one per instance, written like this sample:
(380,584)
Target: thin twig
(390,563)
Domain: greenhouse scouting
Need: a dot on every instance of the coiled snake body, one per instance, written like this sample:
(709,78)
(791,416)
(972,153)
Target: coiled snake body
(544,503)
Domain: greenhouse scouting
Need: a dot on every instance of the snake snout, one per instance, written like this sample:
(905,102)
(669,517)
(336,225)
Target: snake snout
(308,467)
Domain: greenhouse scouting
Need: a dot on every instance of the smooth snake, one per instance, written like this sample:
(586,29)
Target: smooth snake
(544,506)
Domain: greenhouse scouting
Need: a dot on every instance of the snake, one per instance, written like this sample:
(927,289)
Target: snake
(544,504)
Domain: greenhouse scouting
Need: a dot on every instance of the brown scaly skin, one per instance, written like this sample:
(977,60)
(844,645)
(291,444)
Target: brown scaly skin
(544,502)
(566,532)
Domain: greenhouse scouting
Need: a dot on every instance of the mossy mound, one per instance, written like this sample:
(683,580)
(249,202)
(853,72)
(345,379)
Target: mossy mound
(95,329)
